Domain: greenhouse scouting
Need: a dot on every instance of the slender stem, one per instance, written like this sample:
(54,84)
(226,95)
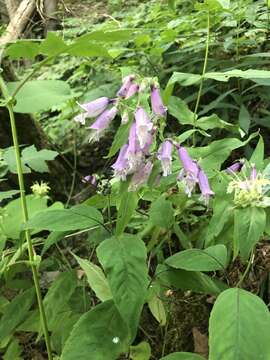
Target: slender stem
(202,76)
(250,261)
(31,251)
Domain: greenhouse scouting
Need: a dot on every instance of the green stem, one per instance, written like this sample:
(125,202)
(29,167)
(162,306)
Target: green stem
(202,76)
(250,261)
(31,251)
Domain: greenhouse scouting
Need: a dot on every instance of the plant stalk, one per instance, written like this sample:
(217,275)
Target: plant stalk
(202,76)
(31,251)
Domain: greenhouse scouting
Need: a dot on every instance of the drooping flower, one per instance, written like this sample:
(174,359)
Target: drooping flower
(93,108)
(189,173)
(134,153)
(102,122)
(143,126)
(165,156)
(204,186)
(121,164)
(127,81)
(157,105)
(149,142)
(141,176)
(235,167)
(133,89)
(90,179)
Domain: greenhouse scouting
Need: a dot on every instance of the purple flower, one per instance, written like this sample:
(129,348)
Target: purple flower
(134,153)
(121,165)
(189,173)
(95,107)
(102,122)
(253,172)
(127,81)
(141,176)
(133,89)
(235,167)
(90,179)
(165,156)
(157,105)
(149,142)
(143,126)
(204,186)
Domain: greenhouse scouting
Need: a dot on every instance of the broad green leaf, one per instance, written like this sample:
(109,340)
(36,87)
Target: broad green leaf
(13,351)
(239,327)
(96,279)
(85,48)
(249,224)
(55,301)
(8,194)
(108,35)
(141,351)
(161,213)
(23,49)
(40,95)
(52,239)
(210,259)
(180,111)
(75,218)
(13,219)
(52,45)
(100,334)
(189,280)
(257,156)
(15,312)
(36,160)
(212,122)
(128,203)
(244,119)
(157,308)
(182,356)
(123,259)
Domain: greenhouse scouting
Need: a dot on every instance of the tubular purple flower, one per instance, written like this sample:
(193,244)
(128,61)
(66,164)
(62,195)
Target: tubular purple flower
(95,107)
(102,122)
(143,126)
(133,89)
(165,156)
(90,179)
(134,153)
(253,172)
(127,81)
(204,186)
(189,173)
(141,176)
(235,167)
(121,165)
(148,143)
(157,105)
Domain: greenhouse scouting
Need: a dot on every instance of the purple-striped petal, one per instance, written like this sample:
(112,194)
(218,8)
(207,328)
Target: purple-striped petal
(204,186)
(157,105)
(165,157)
(102,122)
(143,126)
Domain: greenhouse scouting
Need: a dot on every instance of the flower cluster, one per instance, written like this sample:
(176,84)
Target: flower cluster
(248,191)
(135,158)
(40,190)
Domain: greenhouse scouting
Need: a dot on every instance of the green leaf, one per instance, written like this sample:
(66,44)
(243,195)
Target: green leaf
(15,312)
(249,224)
(180,111)
(161,213)
(189,280)
(239,327)
(23,49)
(108,35)
(212,122)
(96,279)
(40,95)
(156,305)
(75,218)
(210,259)
(244,119)
(128,204)
(182,356)
(141,351)
(13,351)
(100,333)
(85,48)
(257,156)
(56,299)
(119,140)
(52,239)
(124,260)
(52,45)
(8,194)
(36,160)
